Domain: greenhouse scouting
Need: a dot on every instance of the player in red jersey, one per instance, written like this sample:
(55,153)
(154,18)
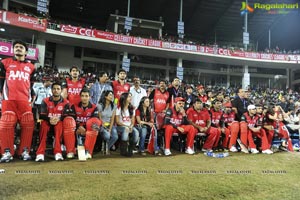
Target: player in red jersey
(15,85)
(120,86)
(201,93)
(176,121)
(200,119)
(159,97)
(275,118)
(254,128)
(54,113)
(87,121)
(232,127)
(216,120)
(72,86)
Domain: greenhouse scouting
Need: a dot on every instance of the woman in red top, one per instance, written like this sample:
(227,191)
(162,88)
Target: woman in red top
(145,123)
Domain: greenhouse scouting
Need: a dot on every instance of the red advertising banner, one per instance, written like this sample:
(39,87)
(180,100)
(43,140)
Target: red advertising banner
(175,46)
(78,30)
(23,21)
(7,50)
(104,35)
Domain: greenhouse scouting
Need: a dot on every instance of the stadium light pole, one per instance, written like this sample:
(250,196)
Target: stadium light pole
(179,60)
(246,77)
(128,8)
(246,25)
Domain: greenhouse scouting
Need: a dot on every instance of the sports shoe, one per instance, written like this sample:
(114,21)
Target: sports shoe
(189,151)
(143,153)
(70,155)
(25,155)
(6,157)
(233,149)
(88,155)
(206,150)
(254,151)
(267,151)
(58,157)
(167,152)
(40,158)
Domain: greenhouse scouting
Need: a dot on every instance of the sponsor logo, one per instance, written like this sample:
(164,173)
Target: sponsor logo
(68,29)
(162,101)
(20,75)
(26,68)
(82,119)
(54,115)
(86,32)
(75,91)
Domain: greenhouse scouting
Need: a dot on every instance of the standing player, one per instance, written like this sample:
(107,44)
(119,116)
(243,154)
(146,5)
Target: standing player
(160,96)
(52,112)
(174,91)
(120,86)
(72,86)
(15,78)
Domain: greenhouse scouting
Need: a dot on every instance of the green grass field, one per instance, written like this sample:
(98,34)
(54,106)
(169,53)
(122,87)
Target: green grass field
(181,176)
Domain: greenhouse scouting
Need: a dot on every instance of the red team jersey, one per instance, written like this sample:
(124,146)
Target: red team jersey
(228,118)
(176,118)
(199,118)
(216,117)
(17,79)
(83,114)
(203,98)
(160,100)
(251,121)
(52,110)
(119,89)
(74,89)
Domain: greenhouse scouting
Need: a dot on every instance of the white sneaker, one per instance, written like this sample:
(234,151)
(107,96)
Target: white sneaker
(70,155)
(58,157)
(206,150)
(40,158)
(189,151)
(267,151)
(233,149)
(6,157)
(88,155)
(25,155)
(168,152)
(254,151)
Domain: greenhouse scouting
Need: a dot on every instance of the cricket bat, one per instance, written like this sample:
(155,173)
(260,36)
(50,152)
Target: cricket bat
(80,149)
(243,147)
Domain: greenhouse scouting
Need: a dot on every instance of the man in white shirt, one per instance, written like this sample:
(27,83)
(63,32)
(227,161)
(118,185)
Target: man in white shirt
(137,92)
(42,92)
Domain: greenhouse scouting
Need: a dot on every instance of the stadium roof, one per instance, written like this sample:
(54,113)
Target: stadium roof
(205,20)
